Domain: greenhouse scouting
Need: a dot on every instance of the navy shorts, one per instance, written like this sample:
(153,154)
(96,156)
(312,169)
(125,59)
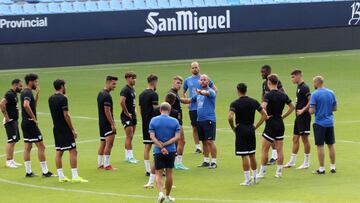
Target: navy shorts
(193,118)
(12,131)
(206,130)
(323,135)
(302,124)
(164,161)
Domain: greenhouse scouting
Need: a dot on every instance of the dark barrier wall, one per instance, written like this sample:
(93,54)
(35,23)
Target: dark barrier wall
(177,47)
(165,22)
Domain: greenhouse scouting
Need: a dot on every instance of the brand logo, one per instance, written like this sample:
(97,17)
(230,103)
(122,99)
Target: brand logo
(24,23)
(186,21)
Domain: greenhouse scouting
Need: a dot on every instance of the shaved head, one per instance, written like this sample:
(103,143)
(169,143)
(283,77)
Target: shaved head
(195,68)
(318,81)
(204,81)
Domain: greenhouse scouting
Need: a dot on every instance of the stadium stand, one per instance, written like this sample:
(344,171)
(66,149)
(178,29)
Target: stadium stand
(28,7)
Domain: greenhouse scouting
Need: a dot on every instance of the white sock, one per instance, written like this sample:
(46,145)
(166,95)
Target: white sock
(60,172)
(100,160)
(131,155)
(74,173)
(262,169)
(179,159)
(321,169)
(307,159)
(254,173)
(247,176)
(198,146)
(293,158)
(332,166)
(279,169)
(28,166)
(206,159)
(152,178)
(161,194)
(106,160)
(8,162)
(44,167)
(147,165)
(213,160)
(274,154)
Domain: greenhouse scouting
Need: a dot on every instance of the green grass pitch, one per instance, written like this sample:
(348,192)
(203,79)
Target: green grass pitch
(342,74)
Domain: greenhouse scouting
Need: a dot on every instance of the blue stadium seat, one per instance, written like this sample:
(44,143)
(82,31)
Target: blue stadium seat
(139,4)
(45,1)
(57,1)
(91,6)
(116,5)
(16,9)
(268,1)
(187,3)
(199,3)
(29,8)
(54,8)
(4,10)
(128,4)
(210,2)
(175,3)
(79,6)
(234,2)
(104,6)
(163,4)
(245,2)
(42,8)
(6,2)
(66,7)
(151,3)
(222,2)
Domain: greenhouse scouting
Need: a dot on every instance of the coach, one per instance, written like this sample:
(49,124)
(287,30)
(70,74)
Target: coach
(323,104)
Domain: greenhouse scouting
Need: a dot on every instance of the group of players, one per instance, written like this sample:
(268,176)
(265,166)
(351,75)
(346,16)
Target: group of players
(200,94)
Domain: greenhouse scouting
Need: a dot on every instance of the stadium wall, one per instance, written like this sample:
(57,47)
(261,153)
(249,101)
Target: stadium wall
(72,53)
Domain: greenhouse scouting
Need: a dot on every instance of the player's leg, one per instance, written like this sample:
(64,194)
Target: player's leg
(109,143)
(253,166)
(305,140)
(74,170)
(246,169)
(319,134)
(193,119)
(150,183)
(27,162)
(42,158)
(201,134)
(294,151)
(180,150)
(159,168)
(129,155)
(147,149)
(265,146)
(59,168)
(213,152)
(279,144)
(169,184)
(274,155)
(10,155)
(12,132)
(330,141)
(101,153)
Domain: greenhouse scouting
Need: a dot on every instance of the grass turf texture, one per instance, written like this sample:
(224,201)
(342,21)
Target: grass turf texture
(341,73)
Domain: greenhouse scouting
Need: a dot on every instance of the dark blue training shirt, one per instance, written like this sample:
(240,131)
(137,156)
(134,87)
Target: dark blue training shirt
(205,106)
(192,83)
(323,101)
(165,128)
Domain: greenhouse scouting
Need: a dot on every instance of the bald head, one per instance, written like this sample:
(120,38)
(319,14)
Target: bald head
(204,81)
(195,68)
(165,108)
(318,81)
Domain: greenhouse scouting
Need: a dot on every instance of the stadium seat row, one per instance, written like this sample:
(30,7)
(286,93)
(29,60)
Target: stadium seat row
(70,6)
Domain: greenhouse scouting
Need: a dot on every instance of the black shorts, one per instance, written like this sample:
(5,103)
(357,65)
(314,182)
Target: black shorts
(180,119)
(105,130)
(323,134)
(127,122)
(31,132)
(206,130)
(64,139)
(193,118)
(302,124)
(12,131)
(274,130)
(245,142)
(146,134)
(164,161)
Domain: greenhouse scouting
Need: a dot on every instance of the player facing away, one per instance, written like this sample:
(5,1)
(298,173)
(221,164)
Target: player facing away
(106,123)
(64,132)
(176,105)
(274,103)
(323,104)
(302,121)
(148,101)
(192,84)
(164,132)
(244,109)
(128,114)
(206,120)
(9,108)
(29,126)
(265,72)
